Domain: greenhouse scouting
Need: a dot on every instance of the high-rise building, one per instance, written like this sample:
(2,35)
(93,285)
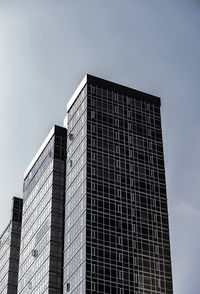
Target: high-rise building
(95,217)
(9,250)
(41,252)
(116,216)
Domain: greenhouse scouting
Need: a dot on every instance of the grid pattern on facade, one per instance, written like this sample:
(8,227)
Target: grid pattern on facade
(127,221)
(40,268)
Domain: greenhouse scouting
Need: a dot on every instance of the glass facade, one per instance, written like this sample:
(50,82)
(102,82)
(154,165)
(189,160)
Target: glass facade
(41,251)
(95,216)
(9,251)
(116,222)
(75,208)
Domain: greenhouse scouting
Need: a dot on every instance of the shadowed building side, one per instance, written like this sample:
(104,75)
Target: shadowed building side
(9,250)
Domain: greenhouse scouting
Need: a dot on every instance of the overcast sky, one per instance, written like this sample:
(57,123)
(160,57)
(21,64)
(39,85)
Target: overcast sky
(47,46)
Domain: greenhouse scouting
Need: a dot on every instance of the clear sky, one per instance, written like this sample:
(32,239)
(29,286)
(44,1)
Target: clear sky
(47,46)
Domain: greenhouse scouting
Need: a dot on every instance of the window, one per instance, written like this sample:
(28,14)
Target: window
(135,260)
(116,122)
(35,253)
(93,268)
(93,234)
(93,128)
(141,170)
(93,114)
(93,171)
(93,286)
(150,145)
(156,233)
(120,257)
(157,249)
(93,142)
(157,266)
(93,186)
(93,202)
(119,224)
(116,96)
(71,163)
(138,103)
(93,217)
(68,287)
(117,163)
(116,109)
(93,89)
(132,196)
(117,149)
(118,193)
(30,285)
(149,132)
(119,208)
(117,135)
(120,241)
(135,278)
(140,142)
(120,274)
(71,136)
(130,140)
(93,251)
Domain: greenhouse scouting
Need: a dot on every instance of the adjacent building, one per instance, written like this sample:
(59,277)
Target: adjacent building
(9,250)
(116,216)
(41,252)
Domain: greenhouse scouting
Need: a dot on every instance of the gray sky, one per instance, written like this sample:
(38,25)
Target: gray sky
(47,46)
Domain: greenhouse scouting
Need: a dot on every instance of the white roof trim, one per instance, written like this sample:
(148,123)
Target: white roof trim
(76,93)
(35,158)
(65,121)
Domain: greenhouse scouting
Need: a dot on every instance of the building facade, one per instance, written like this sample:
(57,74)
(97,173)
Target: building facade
(41,252)
(116,216)
(9,250)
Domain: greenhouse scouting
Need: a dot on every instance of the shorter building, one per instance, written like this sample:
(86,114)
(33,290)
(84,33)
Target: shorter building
(41,252)
(9,250)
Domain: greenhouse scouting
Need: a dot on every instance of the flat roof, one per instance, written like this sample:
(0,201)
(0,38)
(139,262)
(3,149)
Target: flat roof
(77,91)
(56,129)
(37,155)
(112,87)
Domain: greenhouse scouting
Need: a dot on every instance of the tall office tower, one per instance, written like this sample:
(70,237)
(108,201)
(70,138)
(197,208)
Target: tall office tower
(41,262)
(116,217)
(9,250)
